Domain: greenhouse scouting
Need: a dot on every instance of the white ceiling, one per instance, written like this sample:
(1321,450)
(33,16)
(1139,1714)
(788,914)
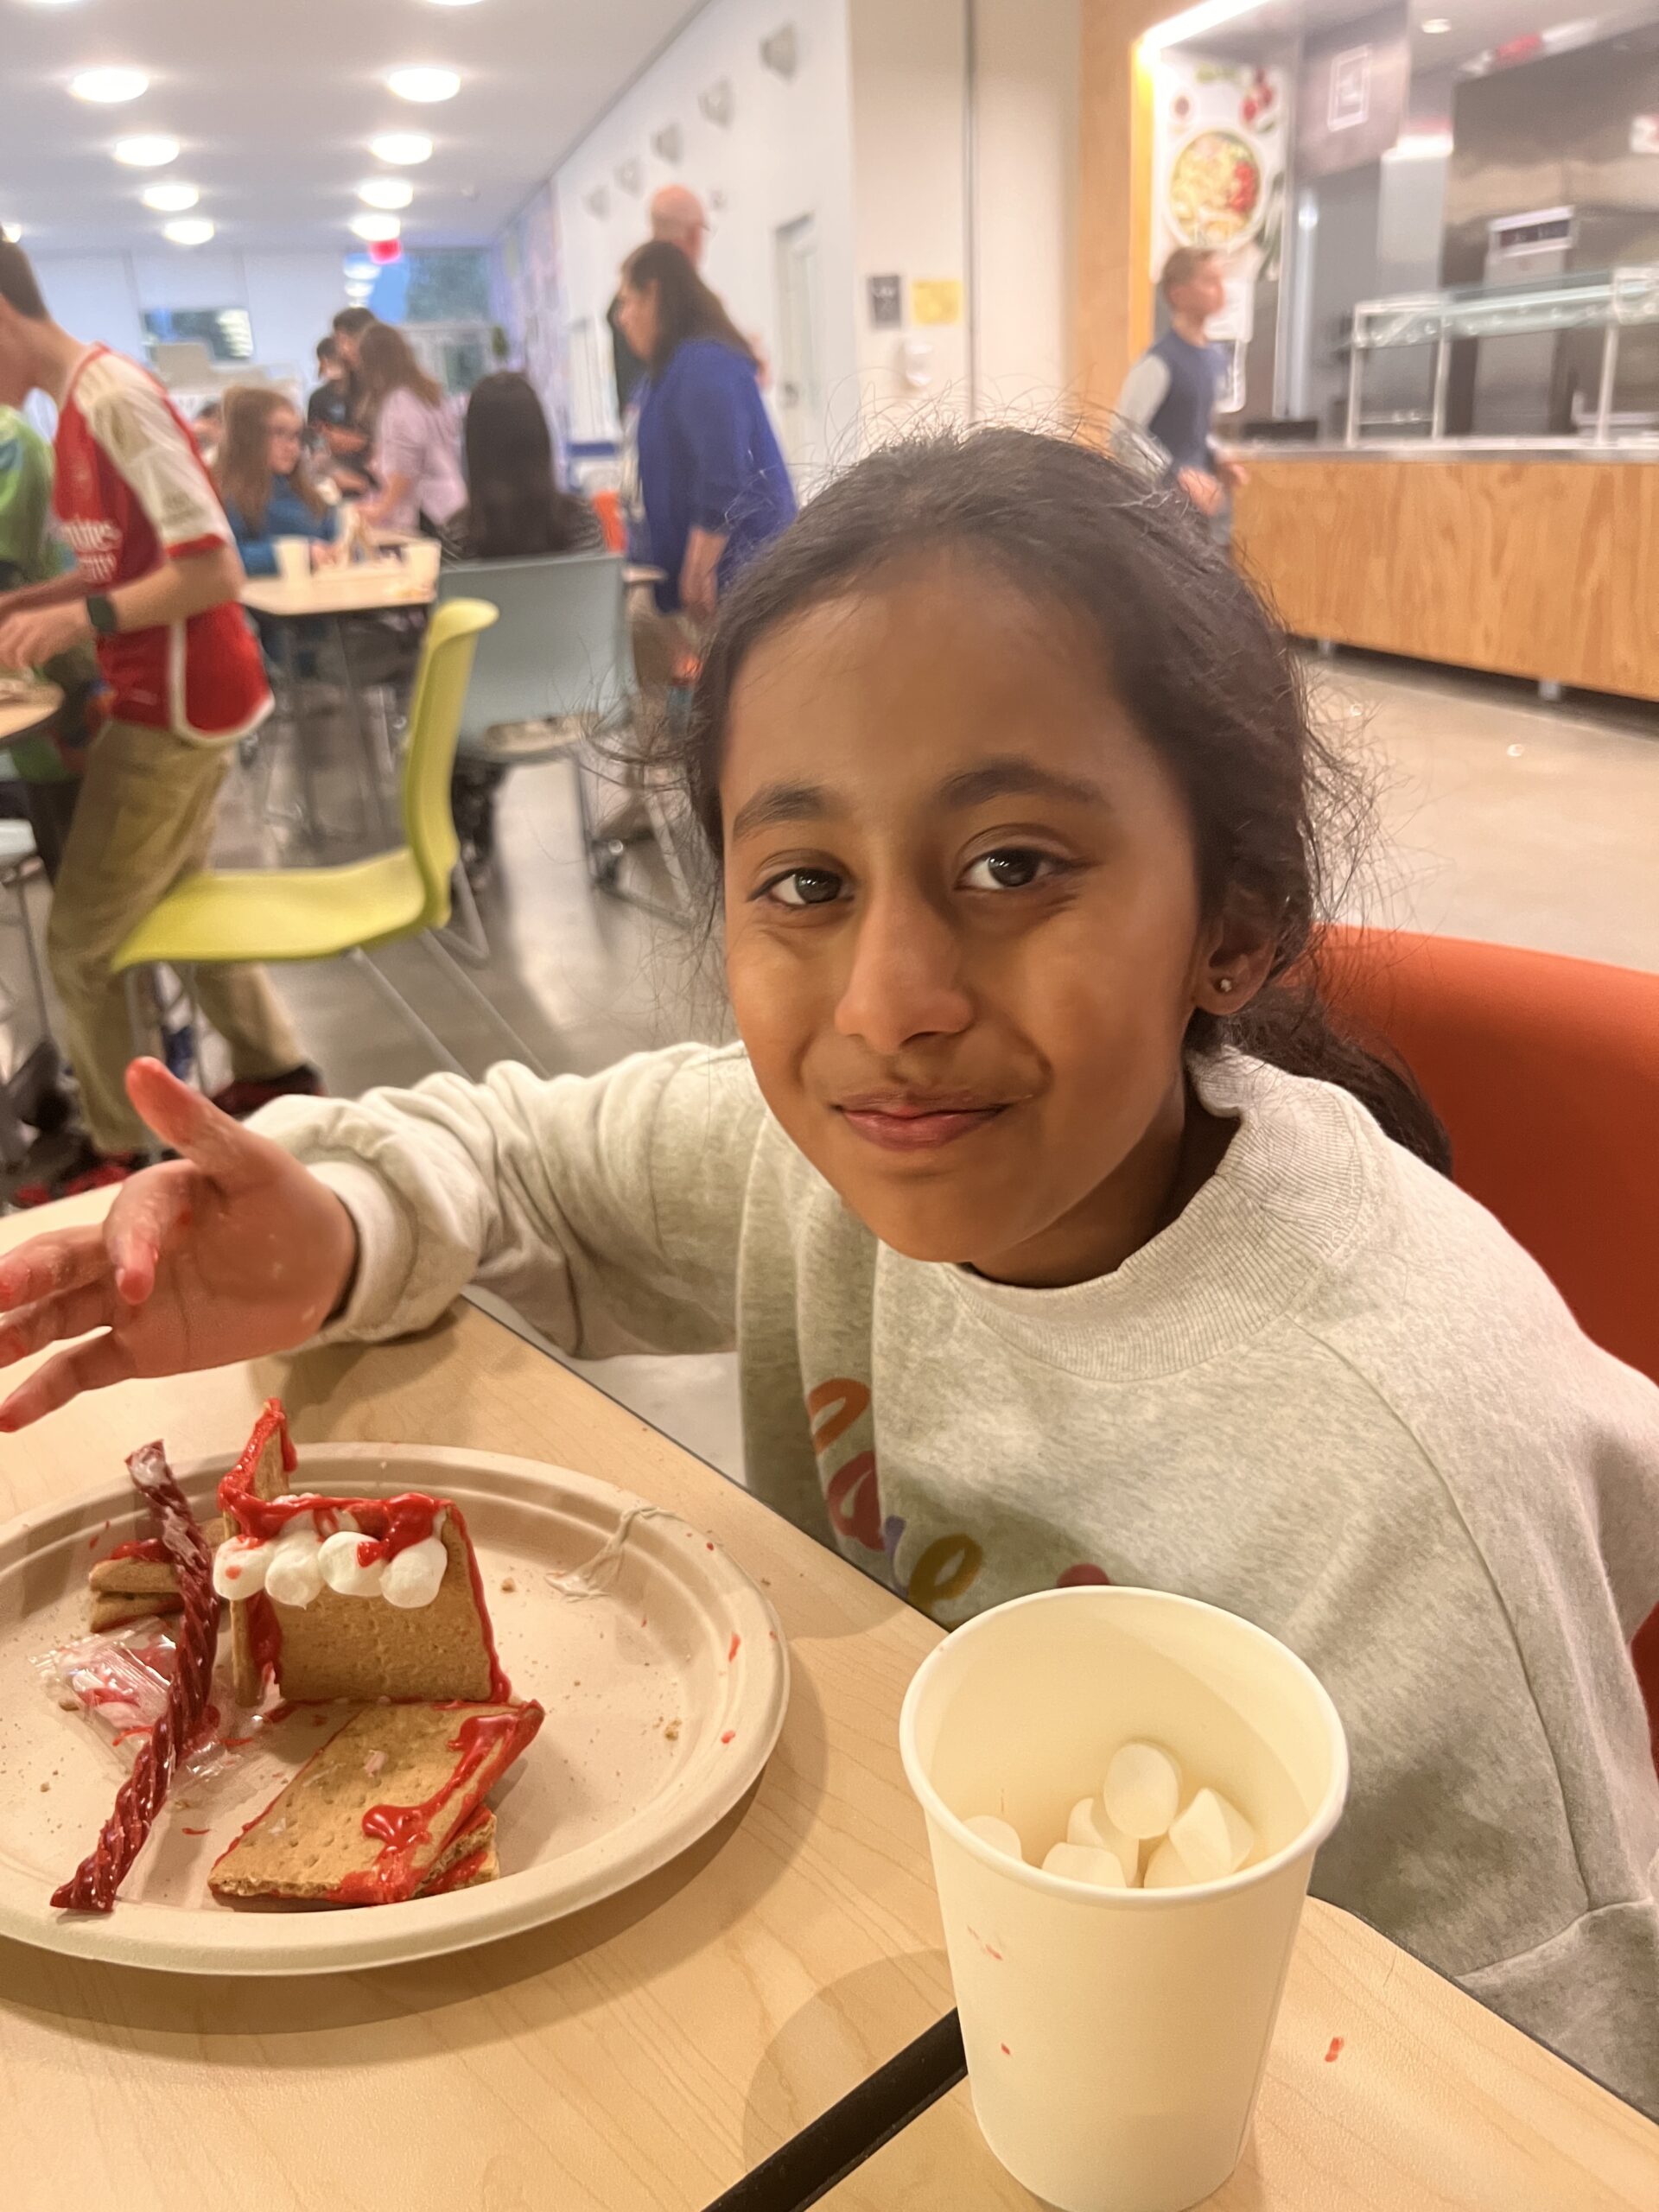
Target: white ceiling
(1476,26)
(274,103)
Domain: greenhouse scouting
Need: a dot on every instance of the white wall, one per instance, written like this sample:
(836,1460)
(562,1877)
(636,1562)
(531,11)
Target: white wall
(290,298)
(909,75)
(786,154)
(1026,126)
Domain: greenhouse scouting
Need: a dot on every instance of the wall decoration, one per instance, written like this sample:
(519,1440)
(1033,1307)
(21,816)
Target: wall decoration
(668,143)
(718,103)
(1218,161)
(1350,100)
(630,175)
(528,296)
(886,296)
(598,201)
(935,299)
(781,52)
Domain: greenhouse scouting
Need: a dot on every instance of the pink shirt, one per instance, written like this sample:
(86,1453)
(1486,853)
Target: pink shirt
(423,443)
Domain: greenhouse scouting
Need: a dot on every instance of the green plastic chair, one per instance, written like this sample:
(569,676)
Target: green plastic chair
(281,915)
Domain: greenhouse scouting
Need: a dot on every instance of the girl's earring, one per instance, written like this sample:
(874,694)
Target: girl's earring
(1224,985)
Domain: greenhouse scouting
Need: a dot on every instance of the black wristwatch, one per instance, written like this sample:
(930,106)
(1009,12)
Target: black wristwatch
(100,612)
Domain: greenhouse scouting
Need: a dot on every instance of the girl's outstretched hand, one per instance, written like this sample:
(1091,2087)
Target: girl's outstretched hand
(232,1251)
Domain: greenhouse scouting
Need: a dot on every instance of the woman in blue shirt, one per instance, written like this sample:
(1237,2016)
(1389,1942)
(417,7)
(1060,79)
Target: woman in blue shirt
(263,481)
(712,476)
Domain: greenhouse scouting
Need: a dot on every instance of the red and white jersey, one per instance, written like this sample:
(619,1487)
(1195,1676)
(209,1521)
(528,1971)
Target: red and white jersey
(131,491)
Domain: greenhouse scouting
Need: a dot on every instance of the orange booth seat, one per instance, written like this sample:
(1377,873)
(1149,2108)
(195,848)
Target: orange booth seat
(1544,1071)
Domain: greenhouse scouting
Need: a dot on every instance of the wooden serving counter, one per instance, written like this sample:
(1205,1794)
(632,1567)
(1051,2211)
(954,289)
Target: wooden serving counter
(1527,566)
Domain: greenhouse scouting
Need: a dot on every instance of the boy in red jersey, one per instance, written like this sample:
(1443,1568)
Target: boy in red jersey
(155,587)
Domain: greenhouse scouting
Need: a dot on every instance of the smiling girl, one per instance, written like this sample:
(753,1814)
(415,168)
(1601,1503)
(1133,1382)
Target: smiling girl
(1059,1239)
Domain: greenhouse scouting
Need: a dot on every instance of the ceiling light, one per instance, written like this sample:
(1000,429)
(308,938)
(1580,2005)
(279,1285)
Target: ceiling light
(454,3)
(1435,26)
(152,153)
(169,199)
(402,149)
(12,232)
(386,192)
(423,84)
(189,230)
(108,87)
(371,228)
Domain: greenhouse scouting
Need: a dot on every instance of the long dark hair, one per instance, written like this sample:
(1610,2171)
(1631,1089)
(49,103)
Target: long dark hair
(515,507)
(1208,676)
(685,306)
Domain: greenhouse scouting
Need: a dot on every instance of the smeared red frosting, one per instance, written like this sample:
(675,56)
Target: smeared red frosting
(488,1742)
(150,1549)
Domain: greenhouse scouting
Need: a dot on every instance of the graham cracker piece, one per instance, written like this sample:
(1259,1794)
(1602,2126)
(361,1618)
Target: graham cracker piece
(362,1648)
(469,1860)
(112,1609)
(309,1842)
(145,1578)
(268,1479)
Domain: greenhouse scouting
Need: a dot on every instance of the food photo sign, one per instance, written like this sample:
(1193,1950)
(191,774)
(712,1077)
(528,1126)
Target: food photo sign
(1218,150)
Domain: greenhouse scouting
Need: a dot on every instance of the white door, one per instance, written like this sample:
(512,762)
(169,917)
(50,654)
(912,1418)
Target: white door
(797,376)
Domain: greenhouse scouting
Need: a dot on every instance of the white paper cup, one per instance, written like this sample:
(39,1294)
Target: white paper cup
(1116,2038)
(421,557)
(292,559)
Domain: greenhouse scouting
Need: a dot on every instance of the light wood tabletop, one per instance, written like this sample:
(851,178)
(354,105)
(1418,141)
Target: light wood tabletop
(21,712)
(366,588)
(645,2053)
(1387,2090)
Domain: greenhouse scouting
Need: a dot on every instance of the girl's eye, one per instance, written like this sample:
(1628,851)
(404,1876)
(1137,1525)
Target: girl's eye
(804,887)
(1011,868)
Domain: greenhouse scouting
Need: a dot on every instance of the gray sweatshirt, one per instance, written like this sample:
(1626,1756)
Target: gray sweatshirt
(1333,1395)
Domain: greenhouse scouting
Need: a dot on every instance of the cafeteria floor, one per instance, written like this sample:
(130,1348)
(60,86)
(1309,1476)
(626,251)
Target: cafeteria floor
(1501,817)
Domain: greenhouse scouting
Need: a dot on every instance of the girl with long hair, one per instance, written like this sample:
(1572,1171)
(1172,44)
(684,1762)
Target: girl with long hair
(1061,1236)
(265,480)
(713,480)
(516,509)
(416,456)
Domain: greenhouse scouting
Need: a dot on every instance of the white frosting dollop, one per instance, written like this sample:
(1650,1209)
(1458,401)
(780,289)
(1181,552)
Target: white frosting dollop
(342,1570)
(300,1563)
(412,1578)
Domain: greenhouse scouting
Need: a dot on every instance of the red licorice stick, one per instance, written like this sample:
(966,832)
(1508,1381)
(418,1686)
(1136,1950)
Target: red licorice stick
(93,1886)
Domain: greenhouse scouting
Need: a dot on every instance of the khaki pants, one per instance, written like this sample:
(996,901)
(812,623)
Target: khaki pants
(144,818)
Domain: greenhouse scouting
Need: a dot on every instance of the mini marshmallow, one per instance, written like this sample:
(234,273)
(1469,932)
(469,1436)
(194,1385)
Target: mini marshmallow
(342,1570)
(1081,1862)
(1143,1790)
(1213,1836)
(1089,1825)
(294,1576)
(1002,1835)
(1166,1869)
(412,1577)
(240,1566)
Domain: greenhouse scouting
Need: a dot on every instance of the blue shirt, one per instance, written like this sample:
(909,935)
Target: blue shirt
(1181,424)
(287,516)
(708,460)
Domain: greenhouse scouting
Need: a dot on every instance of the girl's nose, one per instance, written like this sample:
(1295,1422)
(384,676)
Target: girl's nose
(906,978)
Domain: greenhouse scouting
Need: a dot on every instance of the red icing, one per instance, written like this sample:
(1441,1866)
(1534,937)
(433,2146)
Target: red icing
(389,1525)
(458,1875)
(193,1831)
(1334,2052)
(488,1744)
(729,1736)
(149,1548)
(731,1650)
(93,1886)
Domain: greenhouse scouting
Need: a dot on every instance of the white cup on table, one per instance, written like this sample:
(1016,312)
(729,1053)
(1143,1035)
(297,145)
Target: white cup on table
(423,557)
(293,559)
(1116,2038)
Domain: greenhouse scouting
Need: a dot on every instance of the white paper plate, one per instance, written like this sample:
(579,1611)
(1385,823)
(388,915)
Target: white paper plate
(618,1641)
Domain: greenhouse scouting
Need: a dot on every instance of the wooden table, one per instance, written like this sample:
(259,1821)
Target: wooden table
(691,2036)
(18,716)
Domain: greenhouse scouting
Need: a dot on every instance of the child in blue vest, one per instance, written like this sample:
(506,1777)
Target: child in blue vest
(1170,394)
